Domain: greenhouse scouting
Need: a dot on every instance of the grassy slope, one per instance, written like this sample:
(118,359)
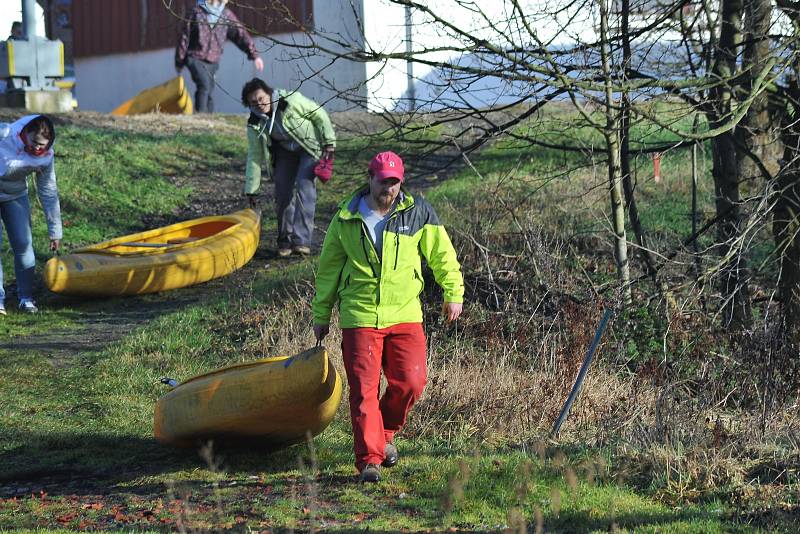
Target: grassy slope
(86,423)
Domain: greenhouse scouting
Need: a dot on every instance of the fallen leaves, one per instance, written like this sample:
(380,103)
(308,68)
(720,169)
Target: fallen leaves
(66,518)
(133,510)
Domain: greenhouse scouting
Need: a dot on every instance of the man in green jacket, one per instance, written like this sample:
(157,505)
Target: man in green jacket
(371,265)
(293,134)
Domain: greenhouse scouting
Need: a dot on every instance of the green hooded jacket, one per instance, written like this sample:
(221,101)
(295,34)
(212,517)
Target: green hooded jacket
(378,294)
(304,120)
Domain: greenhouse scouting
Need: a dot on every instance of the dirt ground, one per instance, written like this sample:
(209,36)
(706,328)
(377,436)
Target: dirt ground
(104,322)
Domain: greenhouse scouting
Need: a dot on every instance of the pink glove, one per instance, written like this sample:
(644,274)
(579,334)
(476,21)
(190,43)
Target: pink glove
(324,169)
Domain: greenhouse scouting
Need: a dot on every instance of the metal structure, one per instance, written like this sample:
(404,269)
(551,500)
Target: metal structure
(30,66)
(576,387)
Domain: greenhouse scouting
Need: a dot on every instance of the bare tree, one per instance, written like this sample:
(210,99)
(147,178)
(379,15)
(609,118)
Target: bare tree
(611,133)
(786,215)
(495,72)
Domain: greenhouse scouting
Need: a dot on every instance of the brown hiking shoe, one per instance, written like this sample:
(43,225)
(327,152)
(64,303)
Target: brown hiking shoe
(371,473)
(302,250)
(390,455)
(284,252)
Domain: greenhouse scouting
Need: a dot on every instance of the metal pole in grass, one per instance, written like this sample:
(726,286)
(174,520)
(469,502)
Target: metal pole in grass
(582,373)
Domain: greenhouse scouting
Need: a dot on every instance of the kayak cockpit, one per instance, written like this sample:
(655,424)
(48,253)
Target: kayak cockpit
(168,239)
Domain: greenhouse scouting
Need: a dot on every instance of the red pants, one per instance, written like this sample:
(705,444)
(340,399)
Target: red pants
(400,351)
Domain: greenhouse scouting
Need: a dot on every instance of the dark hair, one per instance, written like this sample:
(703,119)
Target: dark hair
(40,125)
(251,87)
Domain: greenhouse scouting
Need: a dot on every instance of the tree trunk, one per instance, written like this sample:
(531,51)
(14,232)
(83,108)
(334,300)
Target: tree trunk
(786,229)
(754,136)
(735,293)
(786,218)
(625,154)
(786,213)
(611,134)
(736,306)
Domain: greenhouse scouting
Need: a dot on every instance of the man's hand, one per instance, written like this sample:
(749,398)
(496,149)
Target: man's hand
(327,151)
(451,310)
(258,63)
(54,244)
(320,331)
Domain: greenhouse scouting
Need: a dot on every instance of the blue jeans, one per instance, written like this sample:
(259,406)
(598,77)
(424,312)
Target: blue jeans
(16,217)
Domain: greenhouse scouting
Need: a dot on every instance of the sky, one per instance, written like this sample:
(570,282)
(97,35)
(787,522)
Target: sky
(11,10)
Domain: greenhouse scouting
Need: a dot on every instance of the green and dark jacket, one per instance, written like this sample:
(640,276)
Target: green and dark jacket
(378,293)
(304,120)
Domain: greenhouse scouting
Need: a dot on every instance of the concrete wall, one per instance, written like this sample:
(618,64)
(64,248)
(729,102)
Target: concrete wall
(105,82)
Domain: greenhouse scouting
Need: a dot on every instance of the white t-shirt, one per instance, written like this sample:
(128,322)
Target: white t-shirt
(375,223)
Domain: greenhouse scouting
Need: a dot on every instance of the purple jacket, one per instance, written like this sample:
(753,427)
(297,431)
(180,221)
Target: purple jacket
(199,40)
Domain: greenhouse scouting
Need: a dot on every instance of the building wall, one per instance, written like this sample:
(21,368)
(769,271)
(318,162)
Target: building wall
(134,26)
(385,32)
(105,81)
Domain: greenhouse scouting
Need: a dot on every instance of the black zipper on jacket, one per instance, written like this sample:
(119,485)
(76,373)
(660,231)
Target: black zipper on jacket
(366,255)
(397,237)
(366,252)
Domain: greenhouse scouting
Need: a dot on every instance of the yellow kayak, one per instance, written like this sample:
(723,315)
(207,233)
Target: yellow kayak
(274,401)
(169,97)
(174,256)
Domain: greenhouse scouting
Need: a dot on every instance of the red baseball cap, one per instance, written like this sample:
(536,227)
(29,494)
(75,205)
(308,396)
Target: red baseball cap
(387,165)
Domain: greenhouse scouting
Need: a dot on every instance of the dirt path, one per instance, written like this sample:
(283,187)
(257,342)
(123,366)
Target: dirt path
(103,322)
(98,324)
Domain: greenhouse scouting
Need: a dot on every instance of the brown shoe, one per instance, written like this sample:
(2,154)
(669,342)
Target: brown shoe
(302,250)
(284,252)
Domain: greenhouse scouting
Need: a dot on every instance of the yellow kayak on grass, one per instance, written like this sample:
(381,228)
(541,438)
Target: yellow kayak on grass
(169,97)
(174,256)
(274,401)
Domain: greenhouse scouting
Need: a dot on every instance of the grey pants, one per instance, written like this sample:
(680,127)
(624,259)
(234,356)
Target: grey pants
(295,197)
(203,74)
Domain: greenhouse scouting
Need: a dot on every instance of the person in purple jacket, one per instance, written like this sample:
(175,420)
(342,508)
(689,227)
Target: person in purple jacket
(202,41)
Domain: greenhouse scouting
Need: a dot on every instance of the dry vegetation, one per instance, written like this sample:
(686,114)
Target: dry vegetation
(690,413)
(681,408)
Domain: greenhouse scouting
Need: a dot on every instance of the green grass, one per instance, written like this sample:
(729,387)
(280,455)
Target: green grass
(15,324)
(77,434)
(110,183)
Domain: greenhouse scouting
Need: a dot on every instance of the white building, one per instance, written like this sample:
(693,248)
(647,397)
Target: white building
(120,51)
